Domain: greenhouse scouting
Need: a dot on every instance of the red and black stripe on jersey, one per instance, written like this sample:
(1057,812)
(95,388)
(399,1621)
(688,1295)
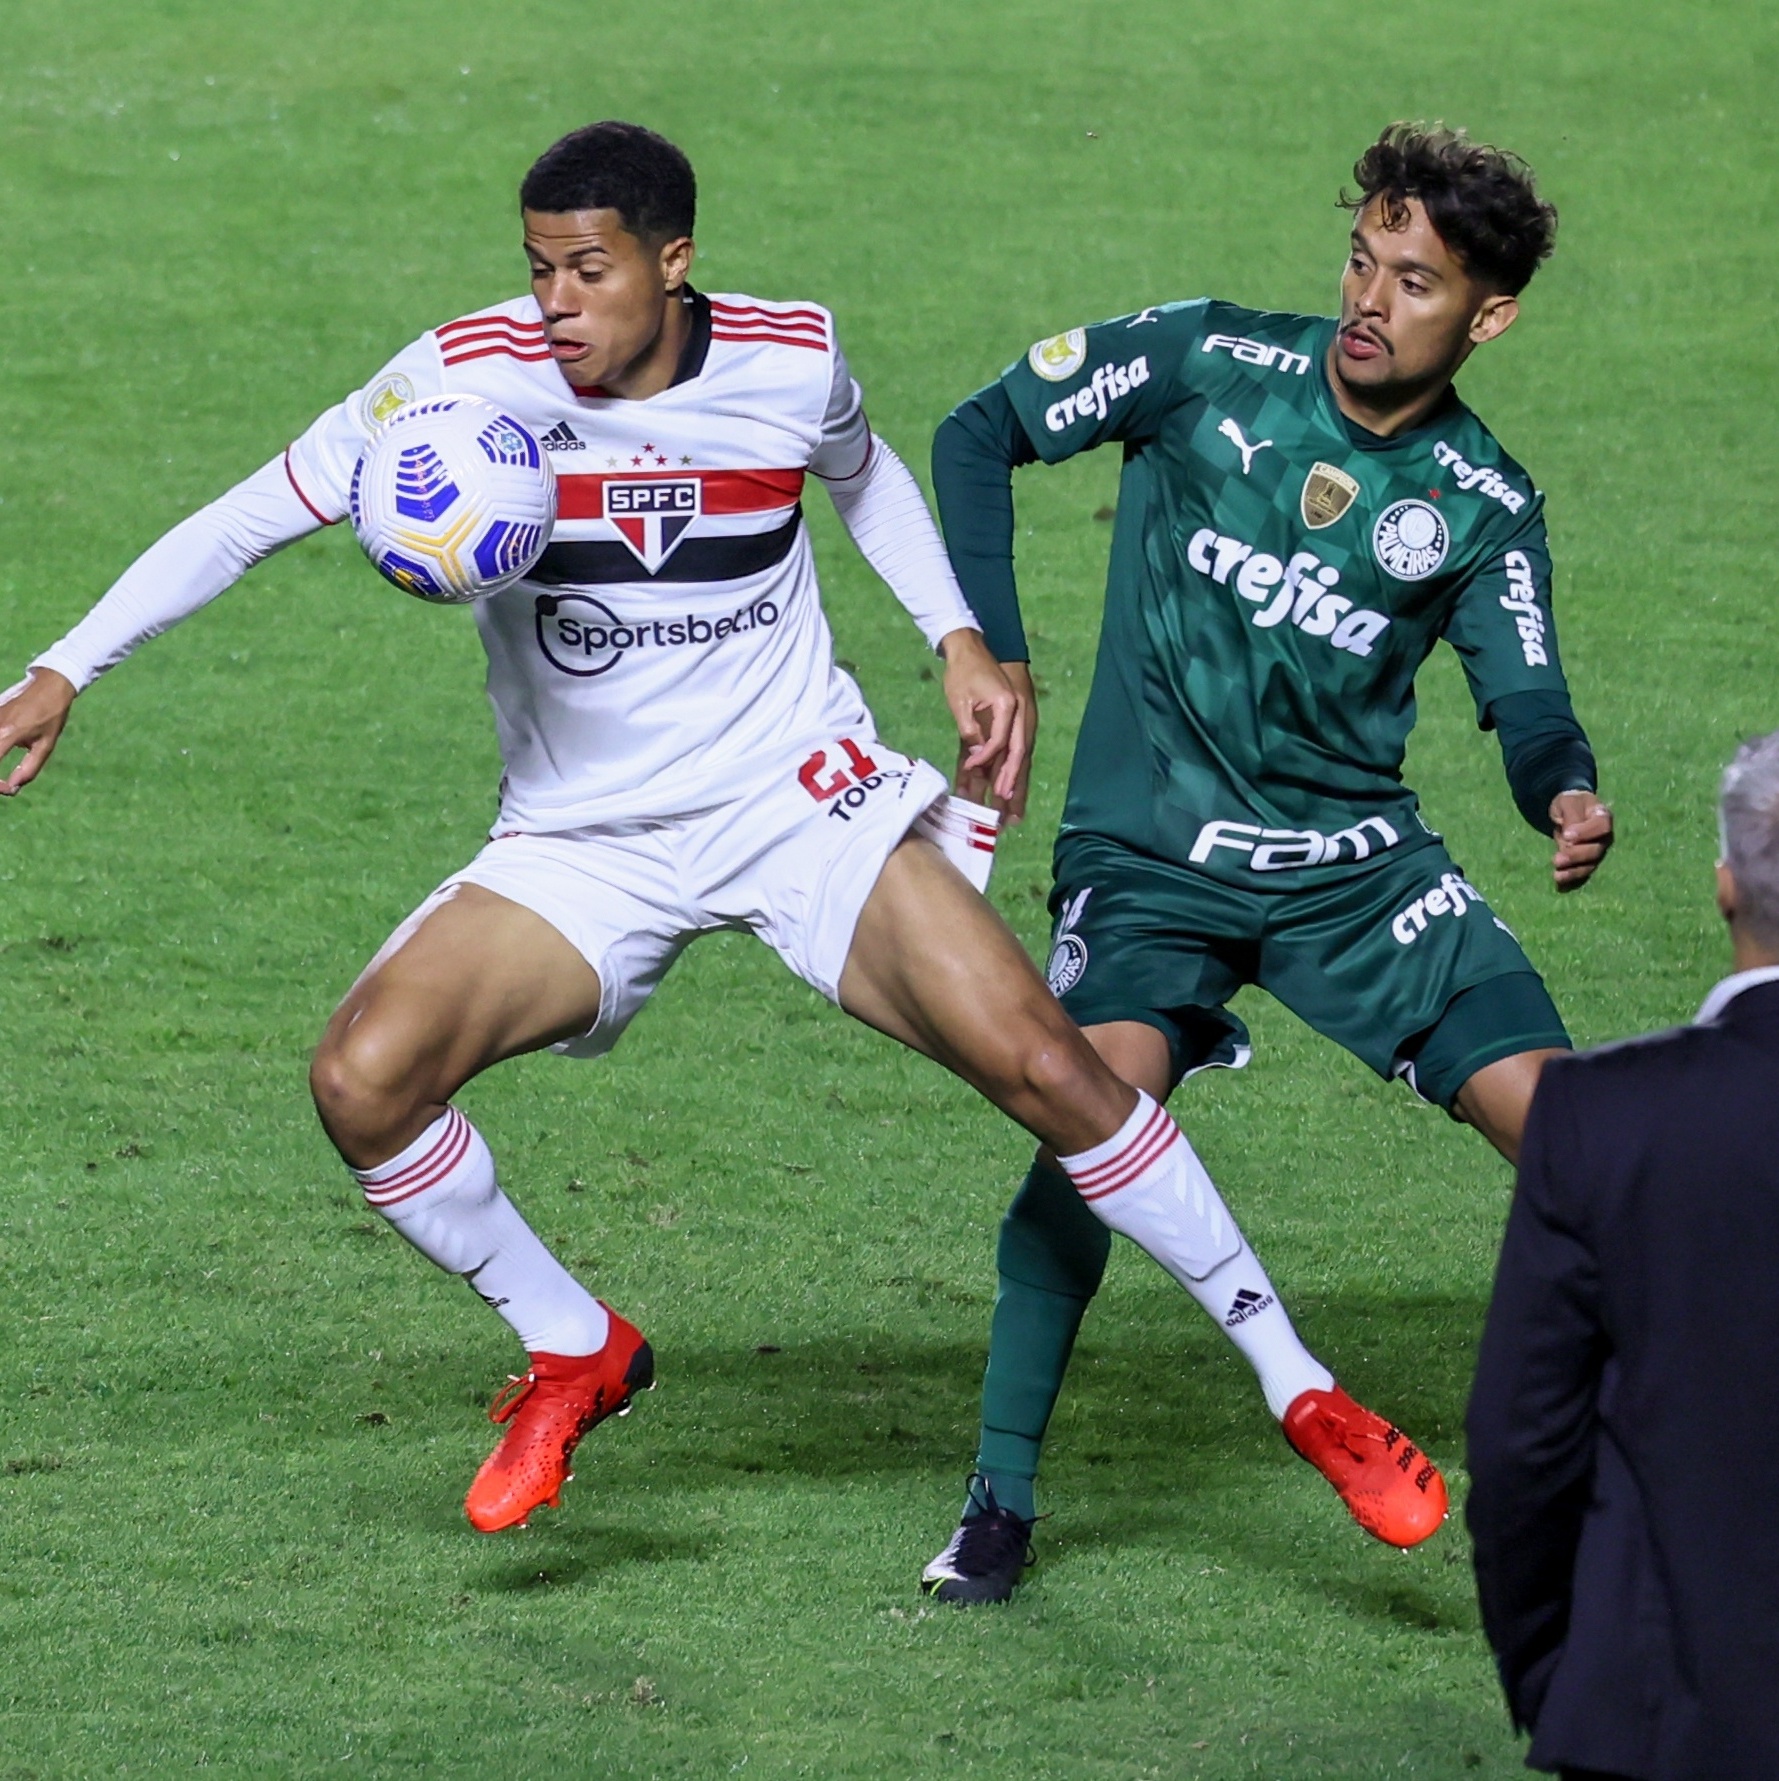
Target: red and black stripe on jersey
(593,562)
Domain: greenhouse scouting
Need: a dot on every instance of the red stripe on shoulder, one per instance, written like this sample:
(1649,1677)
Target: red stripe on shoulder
(717,333)
(777,312)
(501,351)
(476,324)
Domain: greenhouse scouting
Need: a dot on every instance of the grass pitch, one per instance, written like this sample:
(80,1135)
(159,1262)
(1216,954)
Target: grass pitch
(237,1415)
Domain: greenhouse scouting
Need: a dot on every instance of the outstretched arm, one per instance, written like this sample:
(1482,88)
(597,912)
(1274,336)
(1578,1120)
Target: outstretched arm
(975,452)
(185,570)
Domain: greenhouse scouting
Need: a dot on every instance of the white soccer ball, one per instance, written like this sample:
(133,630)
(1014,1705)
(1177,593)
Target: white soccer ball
(452,499)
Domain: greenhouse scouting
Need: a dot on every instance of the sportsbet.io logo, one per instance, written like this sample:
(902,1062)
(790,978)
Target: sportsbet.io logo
(582,636)
(1410,540)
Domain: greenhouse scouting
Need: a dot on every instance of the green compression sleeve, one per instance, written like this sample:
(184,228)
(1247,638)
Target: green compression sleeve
(1544,750)
(976,450)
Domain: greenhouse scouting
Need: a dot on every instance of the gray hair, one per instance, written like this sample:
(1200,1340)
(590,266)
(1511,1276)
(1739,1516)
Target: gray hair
(1748,824)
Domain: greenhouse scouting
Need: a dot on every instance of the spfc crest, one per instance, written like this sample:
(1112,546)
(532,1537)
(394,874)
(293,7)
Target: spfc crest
(651,514)
(1327,494)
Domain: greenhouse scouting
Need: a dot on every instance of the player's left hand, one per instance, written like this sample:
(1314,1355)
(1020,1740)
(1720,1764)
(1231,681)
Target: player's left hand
(990,725)
(1582,826)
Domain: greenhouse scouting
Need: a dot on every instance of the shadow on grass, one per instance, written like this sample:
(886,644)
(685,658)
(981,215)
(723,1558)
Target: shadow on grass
(571,1555)
(1181,1401)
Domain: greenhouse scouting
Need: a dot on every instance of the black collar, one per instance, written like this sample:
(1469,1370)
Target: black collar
(697,348)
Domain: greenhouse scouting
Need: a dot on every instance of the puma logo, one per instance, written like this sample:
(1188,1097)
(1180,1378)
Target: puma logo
(1233,434)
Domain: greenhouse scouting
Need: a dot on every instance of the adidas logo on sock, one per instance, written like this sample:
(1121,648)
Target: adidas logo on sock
(562,437)
(1248,1303)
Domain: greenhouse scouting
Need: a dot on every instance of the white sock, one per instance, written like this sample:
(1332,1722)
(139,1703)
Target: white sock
(441,1194)
(1146,1182)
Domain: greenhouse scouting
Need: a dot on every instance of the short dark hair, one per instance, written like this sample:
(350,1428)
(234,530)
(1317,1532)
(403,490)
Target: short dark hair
(1483,201)
(621,167)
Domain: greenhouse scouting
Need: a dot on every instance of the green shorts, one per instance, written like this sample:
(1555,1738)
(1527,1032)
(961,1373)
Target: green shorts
(1405,965)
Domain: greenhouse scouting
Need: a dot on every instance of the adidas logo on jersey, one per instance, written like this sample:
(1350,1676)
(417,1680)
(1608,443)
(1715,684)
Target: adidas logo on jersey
(1298,590)
(563,437)
(1248,1303)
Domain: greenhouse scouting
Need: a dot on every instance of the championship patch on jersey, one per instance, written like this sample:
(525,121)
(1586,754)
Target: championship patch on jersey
(1410,540)
(1062,355)
(651,514)
(1327,494)
(382,399)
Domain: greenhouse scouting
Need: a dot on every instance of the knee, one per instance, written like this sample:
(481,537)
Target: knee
(366,1088)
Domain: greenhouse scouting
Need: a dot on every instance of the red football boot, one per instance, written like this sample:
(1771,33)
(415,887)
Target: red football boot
(1393,1490)
(547,1413)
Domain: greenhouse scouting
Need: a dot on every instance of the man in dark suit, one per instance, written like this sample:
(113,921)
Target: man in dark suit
(1624,1426)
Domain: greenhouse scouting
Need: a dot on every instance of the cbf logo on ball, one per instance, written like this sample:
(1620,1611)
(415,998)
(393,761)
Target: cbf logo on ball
(1410,540)
(652,515)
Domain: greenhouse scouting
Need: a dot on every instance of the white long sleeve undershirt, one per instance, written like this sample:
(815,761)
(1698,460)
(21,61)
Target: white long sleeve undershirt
(882,508)
(185,570)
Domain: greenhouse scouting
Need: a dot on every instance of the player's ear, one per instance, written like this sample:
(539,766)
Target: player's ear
(676,261)
(1494,316)
(1726,891)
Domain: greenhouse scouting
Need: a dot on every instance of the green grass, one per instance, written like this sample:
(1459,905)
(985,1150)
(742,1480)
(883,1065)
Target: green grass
(237,1415)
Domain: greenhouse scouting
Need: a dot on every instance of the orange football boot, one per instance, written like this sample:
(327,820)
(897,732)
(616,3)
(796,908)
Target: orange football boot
(547,1412)
(1392,1489)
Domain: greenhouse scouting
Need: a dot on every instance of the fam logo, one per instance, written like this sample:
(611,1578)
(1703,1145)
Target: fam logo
(1068,951)
(651,514)
(583,636)
(1410,540)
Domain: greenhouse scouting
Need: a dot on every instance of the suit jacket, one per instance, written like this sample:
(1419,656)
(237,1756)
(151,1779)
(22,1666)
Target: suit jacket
(1624,1425)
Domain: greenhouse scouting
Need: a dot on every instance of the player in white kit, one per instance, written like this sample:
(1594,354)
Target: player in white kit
(682,754)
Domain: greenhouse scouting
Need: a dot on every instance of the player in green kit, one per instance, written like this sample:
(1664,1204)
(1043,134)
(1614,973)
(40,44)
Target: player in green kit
(1306,509)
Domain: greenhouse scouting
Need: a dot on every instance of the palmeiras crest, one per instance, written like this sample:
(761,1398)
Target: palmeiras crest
(1327,494)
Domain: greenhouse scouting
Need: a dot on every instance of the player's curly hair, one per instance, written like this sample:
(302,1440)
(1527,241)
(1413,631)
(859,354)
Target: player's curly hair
(621,167)
(1483,201)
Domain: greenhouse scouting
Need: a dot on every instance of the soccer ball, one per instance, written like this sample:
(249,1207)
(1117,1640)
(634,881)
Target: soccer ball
(452,499)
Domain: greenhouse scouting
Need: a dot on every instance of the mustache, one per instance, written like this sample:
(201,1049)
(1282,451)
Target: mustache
(1365,334)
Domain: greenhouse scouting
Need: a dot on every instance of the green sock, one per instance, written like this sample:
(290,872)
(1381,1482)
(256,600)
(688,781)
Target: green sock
(1051,1257)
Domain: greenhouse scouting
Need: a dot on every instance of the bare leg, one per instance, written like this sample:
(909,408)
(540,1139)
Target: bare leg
(480,979)
(1498,1097)
(934,966)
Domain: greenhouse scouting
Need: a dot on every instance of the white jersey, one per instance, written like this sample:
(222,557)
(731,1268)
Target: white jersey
(672,633)
(673,628)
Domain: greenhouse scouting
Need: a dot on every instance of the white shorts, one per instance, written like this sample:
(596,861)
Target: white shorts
(792,858)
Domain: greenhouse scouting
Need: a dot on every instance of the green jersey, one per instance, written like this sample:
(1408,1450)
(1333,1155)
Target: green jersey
(1277,577)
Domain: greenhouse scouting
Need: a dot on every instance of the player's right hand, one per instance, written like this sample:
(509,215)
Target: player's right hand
(31,718)
(1007,788)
